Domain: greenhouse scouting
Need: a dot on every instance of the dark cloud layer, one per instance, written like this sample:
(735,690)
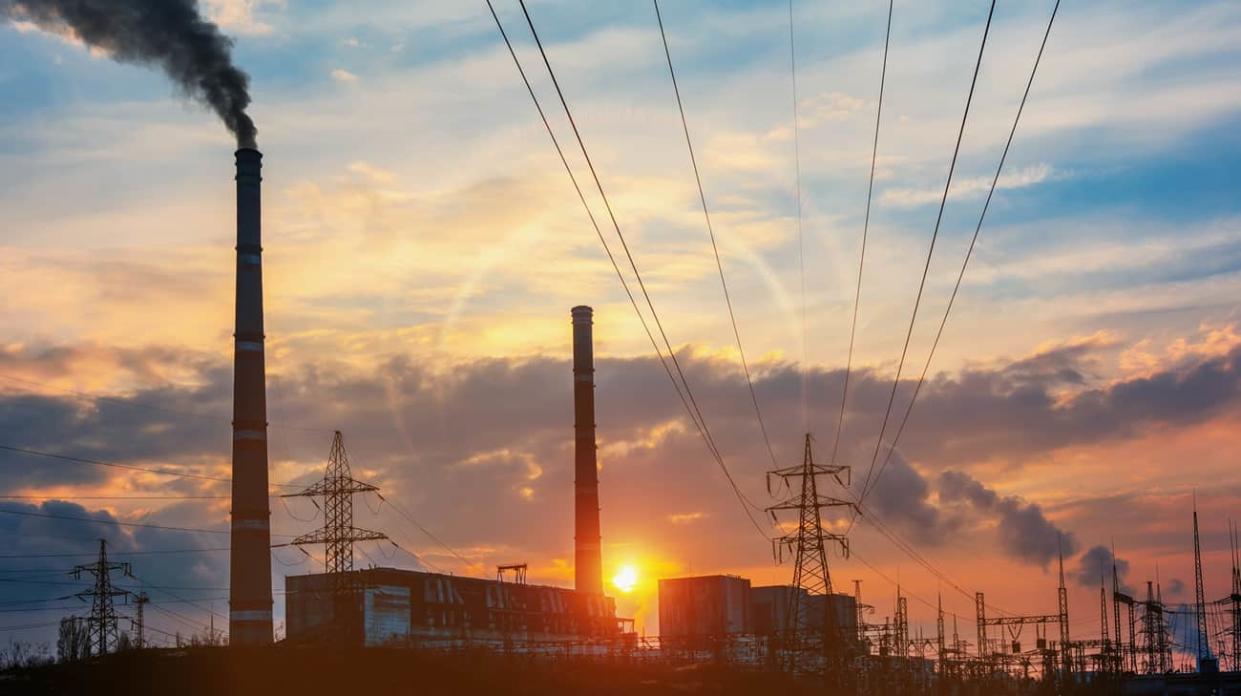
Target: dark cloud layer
(41,544)
(482,454)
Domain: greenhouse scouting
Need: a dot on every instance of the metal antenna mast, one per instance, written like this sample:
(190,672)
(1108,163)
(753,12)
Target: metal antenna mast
(138,624)
(1105,656)
(941,653)
(1117,598)
(1200,608)
(808,545)
(338,533)
(1062,593)
(1235,597)
(101,624)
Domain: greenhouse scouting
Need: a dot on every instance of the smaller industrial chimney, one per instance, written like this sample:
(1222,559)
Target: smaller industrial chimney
(587,557)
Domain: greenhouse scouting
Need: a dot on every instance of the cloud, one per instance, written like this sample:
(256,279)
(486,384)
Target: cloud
(1024,531)
(1040,404)
(38,552)
(249,17)
(968,187)
(342,75)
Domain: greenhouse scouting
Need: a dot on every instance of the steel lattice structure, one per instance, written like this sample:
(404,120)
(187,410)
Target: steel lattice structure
(102,622)
(808,546)
(338,533)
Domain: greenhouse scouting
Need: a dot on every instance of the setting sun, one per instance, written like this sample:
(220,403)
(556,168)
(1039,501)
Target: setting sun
(626,578)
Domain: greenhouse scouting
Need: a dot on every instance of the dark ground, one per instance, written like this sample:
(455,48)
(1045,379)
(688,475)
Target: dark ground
(379,672)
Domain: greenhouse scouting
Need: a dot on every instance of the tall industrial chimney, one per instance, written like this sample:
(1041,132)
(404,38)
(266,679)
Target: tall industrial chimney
(249,615)
(587,559)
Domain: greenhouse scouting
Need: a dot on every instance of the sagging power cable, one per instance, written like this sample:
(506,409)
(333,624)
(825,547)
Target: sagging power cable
(956,150)
(682,387)
(719,265)
(870,191)
(995,180)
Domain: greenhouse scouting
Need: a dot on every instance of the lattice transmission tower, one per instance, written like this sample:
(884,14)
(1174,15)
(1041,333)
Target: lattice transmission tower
(338,533)
(808,547)
(101,625)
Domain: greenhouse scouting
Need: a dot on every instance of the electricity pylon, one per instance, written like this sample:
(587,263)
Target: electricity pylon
(103,634)
(138,623)
(338,533)
(808,546)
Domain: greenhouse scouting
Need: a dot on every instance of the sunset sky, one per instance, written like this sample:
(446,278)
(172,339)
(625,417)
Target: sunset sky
(423,246)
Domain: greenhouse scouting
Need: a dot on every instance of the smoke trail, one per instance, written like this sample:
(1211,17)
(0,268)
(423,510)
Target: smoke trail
(168,33)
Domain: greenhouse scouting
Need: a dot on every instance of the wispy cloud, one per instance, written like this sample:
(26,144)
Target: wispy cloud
(342,75)
(969,187)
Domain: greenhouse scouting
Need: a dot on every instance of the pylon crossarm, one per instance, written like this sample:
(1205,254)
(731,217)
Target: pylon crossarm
(823,501)
(800,470)
(353,534)
(327,487)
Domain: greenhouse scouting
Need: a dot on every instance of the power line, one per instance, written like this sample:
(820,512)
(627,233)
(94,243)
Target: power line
(409,518)
(686,395)
(801,244)
(114,553)
(114,465)
(746,503)
(114,497)
(870,190)
(702,197)
(29,626)
(973,241)
(129,467)
(594,223)
(702,423)
(930,252)
(24,513)
(216,420)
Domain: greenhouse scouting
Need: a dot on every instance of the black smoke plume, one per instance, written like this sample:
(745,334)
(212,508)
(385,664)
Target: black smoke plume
(168,33)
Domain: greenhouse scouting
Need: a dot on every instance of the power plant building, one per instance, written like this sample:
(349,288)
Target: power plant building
(714,606)
(406,607)
(769,609)
(699,607)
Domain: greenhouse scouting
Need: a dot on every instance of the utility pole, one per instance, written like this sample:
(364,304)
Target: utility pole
(808,545)
(101,624)
(338,536)
(138,624)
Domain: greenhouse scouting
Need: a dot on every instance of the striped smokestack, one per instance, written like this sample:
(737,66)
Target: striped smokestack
(587,559)
(249,616)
